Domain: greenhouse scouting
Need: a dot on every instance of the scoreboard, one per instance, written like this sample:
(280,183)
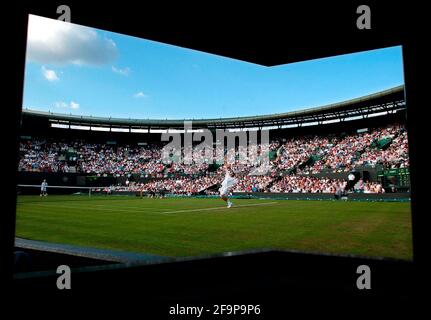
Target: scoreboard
(398,178)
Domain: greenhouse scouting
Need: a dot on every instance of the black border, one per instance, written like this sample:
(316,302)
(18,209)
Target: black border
(267,34)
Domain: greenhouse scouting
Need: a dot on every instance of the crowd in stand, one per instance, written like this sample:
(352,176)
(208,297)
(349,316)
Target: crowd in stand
(395,156)
(184,185)
(305,184)
(42,156)
(298,157)
(248,184)
(368,187)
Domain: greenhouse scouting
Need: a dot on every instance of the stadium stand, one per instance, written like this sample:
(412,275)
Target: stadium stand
(297,154)
(313,158)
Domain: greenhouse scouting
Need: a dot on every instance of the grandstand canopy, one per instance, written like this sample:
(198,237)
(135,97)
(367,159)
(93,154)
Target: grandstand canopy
(376,104)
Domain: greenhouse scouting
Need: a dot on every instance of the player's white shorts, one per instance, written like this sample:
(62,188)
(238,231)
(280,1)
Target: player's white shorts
(224,191)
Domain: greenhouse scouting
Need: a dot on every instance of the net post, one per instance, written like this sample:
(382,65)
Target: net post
(89,192)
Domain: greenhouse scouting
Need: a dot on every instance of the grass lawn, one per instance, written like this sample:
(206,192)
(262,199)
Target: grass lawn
(191,226)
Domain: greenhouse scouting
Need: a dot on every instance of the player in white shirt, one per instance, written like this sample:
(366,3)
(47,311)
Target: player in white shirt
(43,187)
(226,186)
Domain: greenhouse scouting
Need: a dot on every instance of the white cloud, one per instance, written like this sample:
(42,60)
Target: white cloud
(140,94)
(49,75)
(65,105)
(124,72)
(57,42)
(74,105)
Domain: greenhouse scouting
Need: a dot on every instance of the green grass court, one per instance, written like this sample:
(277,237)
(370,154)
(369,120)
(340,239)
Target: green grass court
(179,227)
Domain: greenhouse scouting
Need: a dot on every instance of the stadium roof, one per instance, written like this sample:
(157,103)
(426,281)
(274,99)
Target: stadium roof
(387,101)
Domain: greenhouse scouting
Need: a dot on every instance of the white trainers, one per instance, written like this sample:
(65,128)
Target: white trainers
(229,204)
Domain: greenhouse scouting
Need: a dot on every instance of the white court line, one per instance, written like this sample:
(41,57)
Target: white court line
(155,212)
(218,208)
(123,207)
(91,208)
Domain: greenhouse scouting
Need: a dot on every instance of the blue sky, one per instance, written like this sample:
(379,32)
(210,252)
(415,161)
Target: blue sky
(79,70)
